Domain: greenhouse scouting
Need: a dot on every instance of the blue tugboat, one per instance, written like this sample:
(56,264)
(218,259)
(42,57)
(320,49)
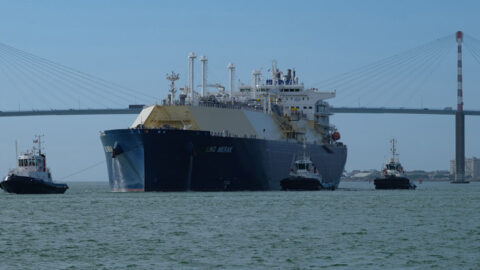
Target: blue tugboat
(32,175)
(393,174)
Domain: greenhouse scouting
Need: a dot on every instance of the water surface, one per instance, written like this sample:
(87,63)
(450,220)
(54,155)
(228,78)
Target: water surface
(436,226)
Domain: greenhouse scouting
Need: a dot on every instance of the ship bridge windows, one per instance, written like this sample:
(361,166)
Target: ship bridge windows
(290,90)
(303,166)
(26,162)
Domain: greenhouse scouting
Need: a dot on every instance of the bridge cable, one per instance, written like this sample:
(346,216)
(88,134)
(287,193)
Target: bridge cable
(70,79)
(76,72)
(70,75)
(365,76)
(415,62)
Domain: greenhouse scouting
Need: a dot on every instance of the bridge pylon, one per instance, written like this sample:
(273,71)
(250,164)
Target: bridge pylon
(459,121)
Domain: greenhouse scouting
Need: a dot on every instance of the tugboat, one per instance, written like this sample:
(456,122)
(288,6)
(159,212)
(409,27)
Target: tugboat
(304,176)
(32,175)
(393,174)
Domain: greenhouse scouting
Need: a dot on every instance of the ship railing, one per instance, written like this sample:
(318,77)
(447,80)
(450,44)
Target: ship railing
(235,106)
(227,134)
(223,105)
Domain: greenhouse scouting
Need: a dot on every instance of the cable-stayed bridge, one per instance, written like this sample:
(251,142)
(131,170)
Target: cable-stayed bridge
(403,83)
(409,80)
(136,110)
(39,84)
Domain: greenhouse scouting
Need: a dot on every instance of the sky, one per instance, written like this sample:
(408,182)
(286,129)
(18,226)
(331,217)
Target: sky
(135,43)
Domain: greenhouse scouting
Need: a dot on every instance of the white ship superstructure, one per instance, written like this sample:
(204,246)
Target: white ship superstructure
(392,167)
(289,110)
(33,163)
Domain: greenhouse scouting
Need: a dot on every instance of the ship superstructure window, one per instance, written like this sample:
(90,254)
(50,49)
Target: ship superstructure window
(26,162)
(391,167)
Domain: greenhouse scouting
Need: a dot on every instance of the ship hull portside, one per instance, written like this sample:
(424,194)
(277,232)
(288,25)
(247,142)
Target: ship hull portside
(393,183)
(182,160)
(28,185)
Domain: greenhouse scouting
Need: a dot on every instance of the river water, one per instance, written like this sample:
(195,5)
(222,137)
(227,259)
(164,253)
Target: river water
(356,227)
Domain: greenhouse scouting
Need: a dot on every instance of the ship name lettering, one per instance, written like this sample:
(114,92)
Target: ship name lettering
(211,149)
(224,149)
(108,149)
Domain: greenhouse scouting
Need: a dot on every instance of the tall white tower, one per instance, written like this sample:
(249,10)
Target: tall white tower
(204,60)
(191,58)
(231,68)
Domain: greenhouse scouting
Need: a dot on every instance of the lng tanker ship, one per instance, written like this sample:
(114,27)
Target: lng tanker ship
(243,139)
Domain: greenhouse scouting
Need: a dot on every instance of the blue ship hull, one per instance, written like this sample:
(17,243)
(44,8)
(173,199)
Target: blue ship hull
(183,160)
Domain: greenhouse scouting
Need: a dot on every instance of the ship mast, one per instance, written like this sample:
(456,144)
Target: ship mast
(38,140)
(172,77)
(394,149)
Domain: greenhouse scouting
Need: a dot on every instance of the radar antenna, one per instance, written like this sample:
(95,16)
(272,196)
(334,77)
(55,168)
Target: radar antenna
(172,77)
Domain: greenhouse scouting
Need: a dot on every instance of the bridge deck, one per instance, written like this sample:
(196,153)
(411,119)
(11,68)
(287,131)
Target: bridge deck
(137,110)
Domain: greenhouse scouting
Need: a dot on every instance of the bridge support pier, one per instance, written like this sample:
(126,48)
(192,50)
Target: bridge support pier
(459,148)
